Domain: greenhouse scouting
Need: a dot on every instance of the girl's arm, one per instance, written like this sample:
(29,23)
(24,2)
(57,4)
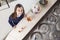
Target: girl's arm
(11,22)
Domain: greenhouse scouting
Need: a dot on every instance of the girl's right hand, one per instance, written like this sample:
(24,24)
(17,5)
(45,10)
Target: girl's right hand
(14,27)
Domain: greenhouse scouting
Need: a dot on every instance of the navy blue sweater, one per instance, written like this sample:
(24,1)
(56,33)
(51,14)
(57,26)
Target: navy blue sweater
(13,21)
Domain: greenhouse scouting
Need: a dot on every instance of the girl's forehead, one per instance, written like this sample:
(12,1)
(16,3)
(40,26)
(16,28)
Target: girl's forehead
(19,7)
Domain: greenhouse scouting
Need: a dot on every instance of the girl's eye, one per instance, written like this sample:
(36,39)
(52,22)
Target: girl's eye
(21,10)
(18,10)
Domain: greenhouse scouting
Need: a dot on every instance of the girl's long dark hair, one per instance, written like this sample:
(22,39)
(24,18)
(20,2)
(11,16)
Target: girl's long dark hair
(14,14)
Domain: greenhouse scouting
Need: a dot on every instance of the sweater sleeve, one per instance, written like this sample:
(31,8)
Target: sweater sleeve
(11,22)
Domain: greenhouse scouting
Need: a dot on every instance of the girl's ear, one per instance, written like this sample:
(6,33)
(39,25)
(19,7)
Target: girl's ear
(23,11)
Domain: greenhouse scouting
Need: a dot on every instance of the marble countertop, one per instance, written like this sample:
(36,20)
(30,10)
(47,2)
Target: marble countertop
(18,33)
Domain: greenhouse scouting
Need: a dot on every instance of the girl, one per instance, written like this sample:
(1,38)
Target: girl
(17,15)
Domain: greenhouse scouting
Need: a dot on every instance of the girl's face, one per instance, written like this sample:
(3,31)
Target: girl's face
(19,10)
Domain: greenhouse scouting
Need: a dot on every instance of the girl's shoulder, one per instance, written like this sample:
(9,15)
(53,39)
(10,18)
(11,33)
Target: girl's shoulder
(10,17)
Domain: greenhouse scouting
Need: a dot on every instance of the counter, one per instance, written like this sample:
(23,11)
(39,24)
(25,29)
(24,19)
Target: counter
(16,35)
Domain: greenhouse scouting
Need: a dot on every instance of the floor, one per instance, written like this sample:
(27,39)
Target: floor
(49,27)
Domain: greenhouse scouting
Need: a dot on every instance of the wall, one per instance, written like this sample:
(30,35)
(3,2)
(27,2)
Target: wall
(5,13)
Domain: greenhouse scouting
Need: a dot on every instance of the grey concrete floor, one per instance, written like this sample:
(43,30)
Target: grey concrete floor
(53,22)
